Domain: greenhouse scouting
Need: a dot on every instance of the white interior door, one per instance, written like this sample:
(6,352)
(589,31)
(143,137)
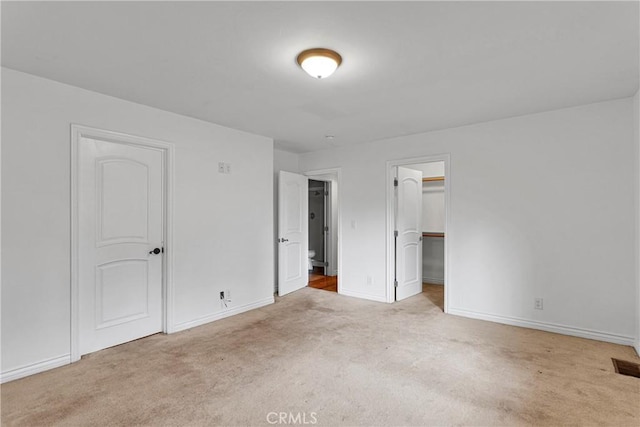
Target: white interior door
(409,233)
(120,224)
(293,233)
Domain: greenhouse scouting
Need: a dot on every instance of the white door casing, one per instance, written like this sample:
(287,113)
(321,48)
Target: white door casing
(409,228)
(325,227)
(120,222)
(293,234)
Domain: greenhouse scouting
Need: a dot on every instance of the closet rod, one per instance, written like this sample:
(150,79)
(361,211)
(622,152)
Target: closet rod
(433,178)
(432,234)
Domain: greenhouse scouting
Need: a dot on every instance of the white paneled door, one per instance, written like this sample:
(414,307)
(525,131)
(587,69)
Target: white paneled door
(120,202)
(293,233)
(409,233)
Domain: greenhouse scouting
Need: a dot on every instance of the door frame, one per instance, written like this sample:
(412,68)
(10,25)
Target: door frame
(168,149)
(327,242)
(327,175)
(391,261)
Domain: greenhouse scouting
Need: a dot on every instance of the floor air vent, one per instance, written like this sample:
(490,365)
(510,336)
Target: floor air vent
(626,368)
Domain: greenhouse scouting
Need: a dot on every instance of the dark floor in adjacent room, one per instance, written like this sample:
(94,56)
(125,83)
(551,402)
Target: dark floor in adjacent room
(318,280)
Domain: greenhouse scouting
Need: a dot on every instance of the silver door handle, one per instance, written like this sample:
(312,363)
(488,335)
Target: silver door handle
(284,240)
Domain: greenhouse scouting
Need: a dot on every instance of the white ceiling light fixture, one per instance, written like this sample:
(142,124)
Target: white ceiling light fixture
(319,62)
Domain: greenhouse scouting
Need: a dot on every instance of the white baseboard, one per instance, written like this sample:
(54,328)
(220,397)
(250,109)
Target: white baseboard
(35,368)
(637,346)
(434,280)
(363,295)
(56,362)
(221,315)
(545,326)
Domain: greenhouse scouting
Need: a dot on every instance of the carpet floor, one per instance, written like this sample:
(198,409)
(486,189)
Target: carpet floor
(316,357)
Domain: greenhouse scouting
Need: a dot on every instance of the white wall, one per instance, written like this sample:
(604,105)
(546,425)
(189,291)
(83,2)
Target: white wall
(430,169)
(215,215)
(284,161)
(432,196)
(541,206)
(636,139)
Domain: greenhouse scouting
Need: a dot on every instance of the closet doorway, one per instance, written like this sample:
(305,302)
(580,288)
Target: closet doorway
(417,224)
(323,230)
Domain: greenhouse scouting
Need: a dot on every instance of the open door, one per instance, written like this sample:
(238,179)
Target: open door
(408,233)
(293,240)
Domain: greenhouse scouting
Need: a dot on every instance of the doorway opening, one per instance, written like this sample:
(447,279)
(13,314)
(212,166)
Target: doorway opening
(319,239)
(294,261)
(323,233)
(417,222)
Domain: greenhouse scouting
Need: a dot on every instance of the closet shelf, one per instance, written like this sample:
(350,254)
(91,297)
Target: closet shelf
(426,234)
(433,178)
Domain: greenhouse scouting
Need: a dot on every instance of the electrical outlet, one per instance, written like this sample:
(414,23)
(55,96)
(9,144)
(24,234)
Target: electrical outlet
(538,304)
(224,167)
(227,295)
(369,280)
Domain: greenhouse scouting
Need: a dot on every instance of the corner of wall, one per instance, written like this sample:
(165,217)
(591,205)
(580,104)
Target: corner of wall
(636,141)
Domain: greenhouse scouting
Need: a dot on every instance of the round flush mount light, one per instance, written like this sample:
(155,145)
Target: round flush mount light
(319,63)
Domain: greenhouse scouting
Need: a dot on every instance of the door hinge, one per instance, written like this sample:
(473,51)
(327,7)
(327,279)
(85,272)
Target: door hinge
(395,283)
(326,263)
(395,233)
(395,182)
(326,228)
(326,193)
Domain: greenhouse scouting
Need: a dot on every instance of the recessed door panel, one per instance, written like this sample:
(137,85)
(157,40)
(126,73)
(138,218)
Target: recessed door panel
(410,262)
(411,208)
(123,197)
(294,252)
(293,207)
(114,279)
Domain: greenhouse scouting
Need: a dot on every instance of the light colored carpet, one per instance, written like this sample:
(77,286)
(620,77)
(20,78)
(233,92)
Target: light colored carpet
(338,361)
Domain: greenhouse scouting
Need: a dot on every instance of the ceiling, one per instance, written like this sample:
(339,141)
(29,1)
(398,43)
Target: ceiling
(408,67)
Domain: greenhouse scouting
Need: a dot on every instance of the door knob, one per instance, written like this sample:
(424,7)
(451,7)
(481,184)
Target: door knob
(284,240)
(156,251)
